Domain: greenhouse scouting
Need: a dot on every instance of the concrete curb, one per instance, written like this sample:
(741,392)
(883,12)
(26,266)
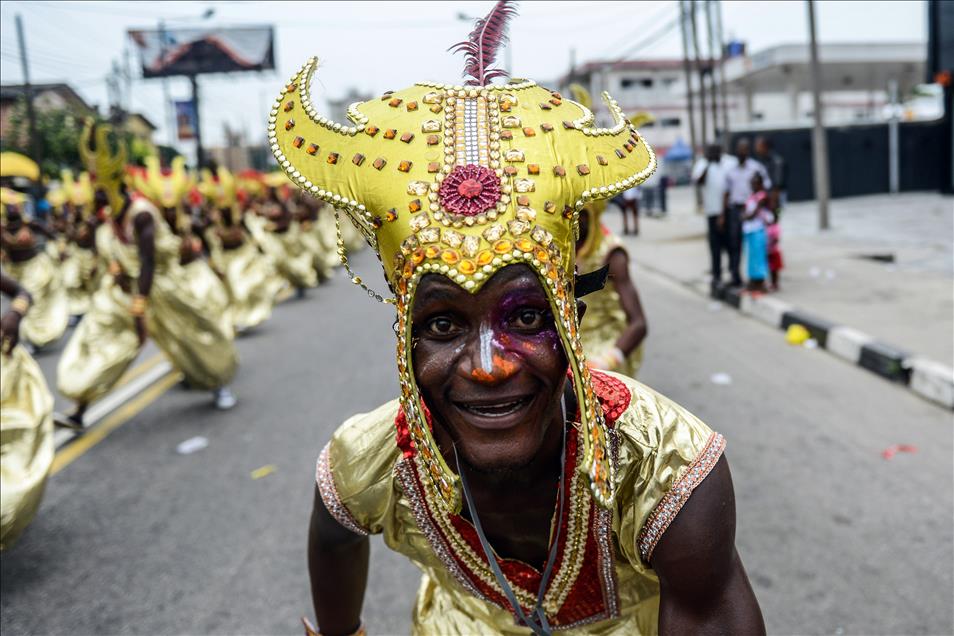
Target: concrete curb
(926,378)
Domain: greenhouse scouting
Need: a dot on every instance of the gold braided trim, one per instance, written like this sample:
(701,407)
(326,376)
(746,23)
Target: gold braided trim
(670,505)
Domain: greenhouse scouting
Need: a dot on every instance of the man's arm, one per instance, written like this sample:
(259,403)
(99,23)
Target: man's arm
(338,567)
(703,585)
(636,328)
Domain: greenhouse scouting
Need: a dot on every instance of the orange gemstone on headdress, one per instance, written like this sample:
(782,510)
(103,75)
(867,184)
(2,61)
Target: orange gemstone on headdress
(298,141)
(390,133)
(559,171)
(407,137)
(541,255)
(404,166)
(391,216)
(394,103)
(380,162)
(567,212)
(529,132)
(568,124)
(619,153)
(431,251)
(600,159)
(312,149)
(503,246)
(533,168)
(332,157)
(288,106)
(433,167)
(417,256)
(525,245)
(289,124)
(290,87)
(510,170)
(451,257)
(523,200)
(485,258)
(506,134)
(415,205)
(411,106)
(358,159)
(556,102)
(583,169)
(432,140)
(408,270)
(467,267)
(371,131)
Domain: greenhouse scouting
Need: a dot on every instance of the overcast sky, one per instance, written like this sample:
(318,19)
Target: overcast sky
(376,46)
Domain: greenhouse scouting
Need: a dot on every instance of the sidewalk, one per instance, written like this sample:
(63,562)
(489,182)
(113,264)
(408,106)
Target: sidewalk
(885,268)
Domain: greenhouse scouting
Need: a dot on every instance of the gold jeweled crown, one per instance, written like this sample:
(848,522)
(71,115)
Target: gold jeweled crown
(462,181)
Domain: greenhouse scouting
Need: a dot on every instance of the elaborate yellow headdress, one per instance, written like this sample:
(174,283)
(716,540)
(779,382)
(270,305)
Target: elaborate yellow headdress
(78,191)
(462,181)
(165,190)
(105,165)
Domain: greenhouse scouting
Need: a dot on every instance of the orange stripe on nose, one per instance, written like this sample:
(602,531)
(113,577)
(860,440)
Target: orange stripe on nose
(501,370)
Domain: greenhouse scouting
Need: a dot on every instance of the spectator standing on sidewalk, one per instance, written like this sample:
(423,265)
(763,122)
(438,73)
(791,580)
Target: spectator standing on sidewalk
(756,217)
(709,175)
(631,199)
(777,171)
(738,185)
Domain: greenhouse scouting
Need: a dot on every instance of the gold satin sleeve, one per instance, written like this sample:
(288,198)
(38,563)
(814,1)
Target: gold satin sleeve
(355,470)
(664,453)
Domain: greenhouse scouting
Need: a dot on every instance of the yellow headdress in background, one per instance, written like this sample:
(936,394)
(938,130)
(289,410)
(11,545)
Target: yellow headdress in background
(165,190)
(461,181)
(220,190)
(78,191)
(10,197)
(105,165)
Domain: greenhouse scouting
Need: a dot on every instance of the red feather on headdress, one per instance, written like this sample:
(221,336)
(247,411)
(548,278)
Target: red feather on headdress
(481,46)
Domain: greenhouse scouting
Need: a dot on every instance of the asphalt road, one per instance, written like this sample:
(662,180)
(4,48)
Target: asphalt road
(133,538)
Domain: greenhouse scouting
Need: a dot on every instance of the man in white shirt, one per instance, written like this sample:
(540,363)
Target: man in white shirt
(709,175)
(738,188)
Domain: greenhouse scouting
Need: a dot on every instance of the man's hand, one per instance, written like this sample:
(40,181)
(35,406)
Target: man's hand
(10,331)
(720,222)
(141,332)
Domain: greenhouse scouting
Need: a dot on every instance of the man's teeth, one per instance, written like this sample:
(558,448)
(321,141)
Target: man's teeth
(496,409)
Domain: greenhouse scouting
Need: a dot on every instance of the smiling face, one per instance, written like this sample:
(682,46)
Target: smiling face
(490,366)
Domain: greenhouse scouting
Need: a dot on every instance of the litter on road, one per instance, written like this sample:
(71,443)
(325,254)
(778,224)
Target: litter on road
(192,445)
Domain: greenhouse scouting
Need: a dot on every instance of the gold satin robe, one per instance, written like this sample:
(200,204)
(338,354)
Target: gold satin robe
(605,319)
(292,259)
(663,453)
(49,313)
(81,277)
(251,280)
(26,442)
(198,342)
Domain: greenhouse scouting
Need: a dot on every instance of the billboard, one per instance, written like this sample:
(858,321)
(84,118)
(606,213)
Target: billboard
(193,51)
(185,120)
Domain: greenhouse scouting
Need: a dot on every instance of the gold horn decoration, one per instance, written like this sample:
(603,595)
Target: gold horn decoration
(581,95)
(106,166)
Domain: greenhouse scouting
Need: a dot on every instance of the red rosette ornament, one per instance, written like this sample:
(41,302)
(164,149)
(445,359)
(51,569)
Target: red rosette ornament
(469,190)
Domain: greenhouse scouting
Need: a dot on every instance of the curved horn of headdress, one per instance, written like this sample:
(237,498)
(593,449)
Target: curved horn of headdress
(617,149)
(311,150)
(581,95)
(104,165)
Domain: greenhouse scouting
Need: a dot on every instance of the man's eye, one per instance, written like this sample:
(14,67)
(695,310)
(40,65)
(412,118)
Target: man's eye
(440,326)
(529,319)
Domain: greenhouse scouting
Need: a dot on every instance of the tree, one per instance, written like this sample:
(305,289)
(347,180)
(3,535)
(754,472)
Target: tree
(59,133)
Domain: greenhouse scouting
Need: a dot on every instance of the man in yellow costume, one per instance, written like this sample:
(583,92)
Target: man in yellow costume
(143,295)
(26,424)
(535,495)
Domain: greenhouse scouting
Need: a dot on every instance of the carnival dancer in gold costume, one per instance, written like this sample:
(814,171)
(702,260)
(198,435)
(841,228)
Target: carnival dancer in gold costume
(282,237)
(320,245)
(144,295)
(534,493)
(249,274)
(81,269)
(37,272)
(26,424)
(614,328)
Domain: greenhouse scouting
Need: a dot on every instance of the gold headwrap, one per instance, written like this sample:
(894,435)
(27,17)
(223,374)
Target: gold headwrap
(462,181)
(221,191)
(106,167)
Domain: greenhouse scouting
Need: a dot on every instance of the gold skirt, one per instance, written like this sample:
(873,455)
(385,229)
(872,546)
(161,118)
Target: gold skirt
(49,314)
(101,348)
(292,259)
(252,284)
(81,278)
(26,442)
(193,331)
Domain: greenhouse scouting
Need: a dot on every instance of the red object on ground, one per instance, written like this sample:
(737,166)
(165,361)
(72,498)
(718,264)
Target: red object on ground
(894,449)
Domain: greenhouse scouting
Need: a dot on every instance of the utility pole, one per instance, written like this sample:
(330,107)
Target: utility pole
(701,72)
(819,143)
(688,72)
(199,155)
(36,148)
(714,97)
(723,89)
(170,116)
(894,149)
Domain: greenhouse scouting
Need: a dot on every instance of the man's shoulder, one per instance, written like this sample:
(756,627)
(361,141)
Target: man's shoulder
(368,434)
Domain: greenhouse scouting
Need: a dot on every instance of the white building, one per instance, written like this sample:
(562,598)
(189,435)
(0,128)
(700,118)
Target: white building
(770,89)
